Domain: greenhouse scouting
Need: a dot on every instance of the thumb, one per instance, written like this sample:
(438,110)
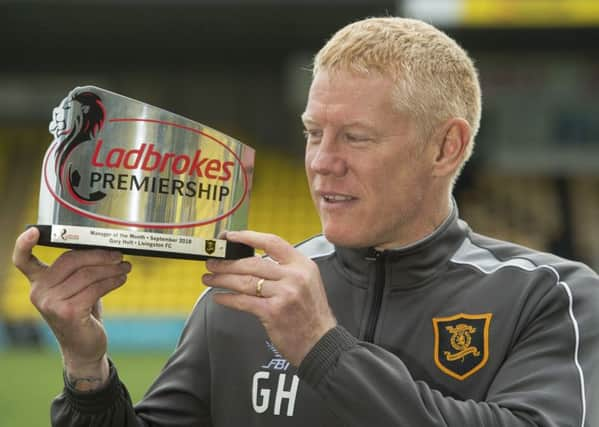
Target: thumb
(22,257)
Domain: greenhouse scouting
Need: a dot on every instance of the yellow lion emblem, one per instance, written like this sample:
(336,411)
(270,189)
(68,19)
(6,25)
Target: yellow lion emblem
(461,337)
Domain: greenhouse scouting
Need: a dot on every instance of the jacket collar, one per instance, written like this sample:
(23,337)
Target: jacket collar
(411,265)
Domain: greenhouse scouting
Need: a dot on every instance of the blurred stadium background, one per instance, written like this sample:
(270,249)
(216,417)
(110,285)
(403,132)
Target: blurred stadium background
(241,66)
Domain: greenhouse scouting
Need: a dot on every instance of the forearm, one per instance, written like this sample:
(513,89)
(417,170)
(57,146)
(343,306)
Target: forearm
(362,382)
(174,399)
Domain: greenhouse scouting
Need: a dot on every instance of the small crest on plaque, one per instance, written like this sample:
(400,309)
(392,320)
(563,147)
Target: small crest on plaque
(210,246)
(461,343)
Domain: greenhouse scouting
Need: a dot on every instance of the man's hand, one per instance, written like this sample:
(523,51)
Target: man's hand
(293,305)
(67,295)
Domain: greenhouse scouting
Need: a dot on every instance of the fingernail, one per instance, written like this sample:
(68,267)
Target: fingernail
(126,266)
(115,255)
(207,278)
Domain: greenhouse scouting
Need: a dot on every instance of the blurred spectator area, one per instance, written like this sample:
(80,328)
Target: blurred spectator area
(559,215)
(243,67)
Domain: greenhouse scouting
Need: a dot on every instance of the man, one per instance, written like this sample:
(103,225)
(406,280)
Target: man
(399,315)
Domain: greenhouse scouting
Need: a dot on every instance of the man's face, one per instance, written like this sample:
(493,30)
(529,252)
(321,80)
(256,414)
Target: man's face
(368,172)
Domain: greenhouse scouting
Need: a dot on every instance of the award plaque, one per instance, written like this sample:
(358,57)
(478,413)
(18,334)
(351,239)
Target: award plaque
(129,176)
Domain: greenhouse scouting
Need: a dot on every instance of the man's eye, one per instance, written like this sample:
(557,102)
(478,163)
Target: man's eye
(311,134)
(356,138)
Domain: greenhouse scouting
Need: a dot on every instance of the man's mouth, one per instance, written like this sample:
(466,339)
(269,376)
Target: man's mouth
(336,198)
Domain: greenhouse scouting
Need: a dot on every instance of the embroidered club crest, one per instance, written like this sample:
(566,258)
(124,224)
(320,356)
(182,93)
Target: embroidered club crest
(461,343)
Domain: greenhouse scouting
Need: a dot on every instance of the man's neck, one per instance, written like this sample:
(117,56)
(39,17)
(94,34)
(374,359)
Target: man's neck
(428,227)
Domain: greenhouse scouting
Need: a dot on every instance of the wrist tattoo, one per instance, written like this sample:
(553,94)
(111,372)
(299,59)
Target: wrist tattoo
(84,383)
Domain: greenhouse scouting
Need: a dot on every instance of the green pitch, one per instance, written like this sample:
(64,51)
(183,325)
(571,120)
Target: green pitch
(29,379)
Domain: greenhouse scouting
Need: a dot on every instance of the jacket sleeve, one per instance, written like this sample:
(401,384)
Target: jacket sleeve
(549,378)
(179,396)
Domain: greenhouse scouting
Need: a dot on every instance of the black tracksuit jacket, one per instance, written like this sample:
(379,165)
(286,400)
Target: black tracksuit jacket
(455,330)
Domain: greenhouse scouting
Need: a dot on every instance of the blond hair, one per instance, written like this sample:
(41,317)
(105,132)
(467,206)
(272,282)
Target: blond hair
(434,77)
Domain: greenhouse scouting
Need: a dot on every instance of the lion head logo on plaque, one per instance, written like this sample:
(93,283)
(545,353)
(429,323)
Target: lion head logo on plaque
(76,121)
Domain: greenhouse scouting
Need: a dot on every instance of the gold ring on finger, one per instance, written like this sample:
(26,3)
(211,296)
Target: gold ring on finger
(259,288)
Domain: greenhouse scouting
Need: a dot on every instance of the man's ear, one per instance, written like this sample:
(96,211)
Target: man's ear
(452,140)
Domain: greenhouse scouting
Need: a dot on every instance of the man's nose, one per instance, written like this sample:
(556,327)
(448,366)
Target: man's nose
(328,158)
